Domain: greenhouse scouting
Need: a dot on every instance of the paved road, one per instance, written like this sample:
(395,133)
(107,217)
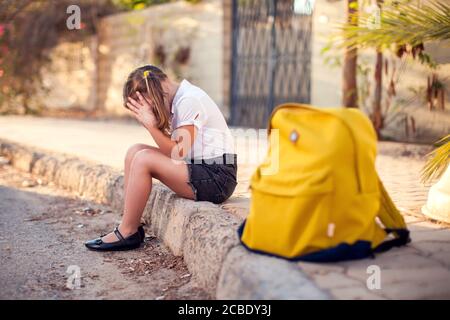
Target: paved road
(102,141)
(42,230)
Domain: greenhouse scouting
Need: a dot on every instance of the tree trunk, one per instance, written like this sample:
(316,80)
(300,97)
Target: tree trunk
(349,82)
(377,115)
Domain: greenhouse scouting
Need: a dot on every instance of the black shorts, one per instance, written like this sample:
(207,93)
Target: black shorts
(213,180)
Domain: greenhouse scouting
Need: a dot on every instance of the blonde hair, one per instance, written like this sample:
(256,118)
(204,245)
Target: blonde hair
(147,80)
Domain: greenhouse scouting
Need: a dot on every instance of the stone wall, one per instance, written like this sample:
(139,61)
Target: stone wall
(131,39)
(90,75)
(70,80)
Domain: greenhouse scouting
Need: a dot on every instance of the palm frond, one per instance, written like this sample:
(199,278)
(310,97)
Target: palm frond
(438,160)
(401,23)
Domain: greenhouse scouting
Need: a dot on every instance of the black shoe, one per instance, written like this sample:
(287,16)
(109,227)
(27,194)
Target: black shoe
(141,232)
(131,242)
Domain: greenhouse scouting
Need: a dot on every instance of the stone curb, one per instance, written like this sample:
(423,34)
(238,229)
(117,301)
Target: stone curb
(203,233)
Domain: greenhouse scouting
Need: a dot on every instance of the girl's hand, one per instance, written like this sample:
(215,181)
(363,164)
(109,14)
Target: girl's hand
(142,111)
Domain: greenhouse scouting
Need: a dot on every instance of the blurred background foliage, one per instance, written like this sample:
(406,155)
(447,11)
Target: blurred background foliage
(396,31)
(29,29)
(141,4)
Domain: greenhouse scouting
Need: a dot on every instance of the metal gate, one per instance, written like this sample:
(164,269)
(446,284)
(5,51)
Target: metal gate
(271,57)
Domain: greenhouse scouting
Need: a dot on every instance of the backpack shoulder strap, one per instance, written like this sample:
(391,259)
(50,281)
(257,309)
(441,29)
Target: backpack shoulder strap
(392,220)
(388,213)
(402,239)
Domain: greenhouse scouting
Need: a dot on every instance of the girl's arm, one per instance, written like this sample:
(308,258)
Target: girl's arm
(178,148)
(184,136)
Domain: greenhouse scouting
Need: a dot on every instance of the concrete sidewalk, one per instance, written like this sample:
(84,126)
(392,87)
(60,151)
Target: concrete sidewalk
(106,142)
(217,258)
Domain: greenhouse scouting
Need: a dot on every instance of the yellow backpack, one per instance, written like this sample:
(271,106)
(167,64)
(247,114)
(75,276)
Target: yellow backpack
(317,196)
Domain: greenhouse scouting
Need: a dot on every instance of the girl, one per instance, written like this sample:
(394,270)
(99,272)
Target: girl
(194,157)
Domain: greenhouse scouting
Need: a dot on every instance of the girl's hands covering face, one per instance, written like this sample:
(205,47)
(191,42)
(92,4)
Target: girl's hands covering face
(142,111)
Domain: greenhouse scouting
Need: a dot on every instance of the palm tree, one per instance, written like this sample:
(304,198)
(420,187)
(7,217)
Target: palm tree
(377,116)
(438,160)
(349,84)
(405,24)
(401,23)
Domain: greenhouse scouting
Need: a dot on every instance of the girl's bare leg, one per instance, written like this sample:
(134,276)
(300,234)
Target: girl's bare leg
(148,163)
(129,158)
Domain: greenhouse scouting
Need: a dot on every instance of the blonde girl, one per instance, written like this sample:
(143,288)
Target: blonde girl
(194,155)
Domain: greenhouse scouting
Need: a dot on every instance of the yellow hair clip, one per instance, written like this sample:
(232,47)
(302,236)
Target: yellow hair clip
(146,73)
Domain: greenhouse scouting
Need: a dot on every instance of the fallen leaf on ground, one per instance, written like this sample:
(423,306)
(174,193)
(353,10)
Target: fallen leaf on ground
(28,183)
(4,161)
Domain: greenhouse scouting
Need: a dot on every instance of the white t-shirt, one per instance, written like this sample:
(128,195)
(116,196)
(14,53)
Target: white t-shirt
(192,106)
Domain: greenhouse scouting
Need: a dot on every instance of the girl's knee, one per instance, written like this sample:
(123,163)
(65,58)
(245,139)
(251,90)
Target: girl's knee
(131,152)
(144,158)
